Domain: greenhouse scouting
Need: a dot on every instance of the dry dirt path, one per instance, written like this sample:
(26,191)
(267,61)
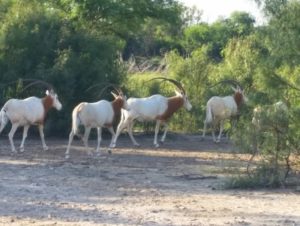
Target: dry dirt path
(178,184)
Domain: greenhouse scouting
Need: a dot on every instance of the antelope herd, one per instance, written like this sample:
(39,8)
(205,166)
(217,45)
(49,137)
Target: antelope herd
(158,108)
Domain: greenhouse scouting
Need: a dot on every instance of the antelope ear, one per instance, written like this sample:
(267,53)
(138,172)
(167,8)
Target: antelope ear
(47,92)
(178,93)
(234,89)
(115,95)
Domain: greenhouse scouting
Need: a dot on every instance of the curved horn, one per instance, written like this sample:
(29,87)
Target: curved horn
(229,81)
(176,83)
(116,88)
(33,82)
(36,82)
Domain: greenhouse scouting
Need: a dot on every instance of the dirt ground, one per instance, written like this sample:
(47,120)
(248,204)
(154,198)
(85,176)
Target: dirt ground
(177,184)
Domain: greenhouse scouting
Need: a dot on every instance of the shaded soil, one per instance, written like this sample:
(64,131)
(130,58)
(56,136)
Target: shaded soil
(177,184)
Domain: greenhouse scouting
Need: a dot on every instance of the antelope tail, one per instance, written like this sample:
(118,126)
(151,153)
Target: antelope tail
(3,118)
(209,116)
(76,119)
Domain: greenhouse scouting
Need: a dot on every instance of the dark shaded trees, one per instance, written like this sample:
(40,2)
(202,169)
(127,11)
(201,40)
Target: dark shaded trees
(71,44)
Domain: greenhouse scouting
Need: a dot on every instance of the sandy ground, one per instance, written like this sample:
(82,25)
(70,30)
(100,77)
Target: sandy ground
(177,184)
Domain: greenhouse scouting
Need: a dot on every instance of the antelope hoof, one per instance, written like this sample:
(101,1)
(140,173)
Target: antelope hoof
(98,153)
(67,156)
(46,148)
(21,149)
(112,145)
(137,145)
(156,145)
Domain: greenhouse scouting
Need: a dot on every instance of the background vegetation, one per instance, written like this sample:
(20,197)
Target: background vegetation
(74,44)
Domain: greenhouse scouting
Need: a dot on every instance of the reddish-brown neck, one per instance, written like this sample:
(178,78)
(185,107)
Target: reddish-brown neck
(238,97)
(47,102)
(174,103)
(117,104)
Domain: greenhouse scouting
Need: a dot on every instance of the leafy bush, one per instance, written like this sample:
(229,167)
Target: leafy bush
(191,72)
(40,44)
(262,177)
(270,142)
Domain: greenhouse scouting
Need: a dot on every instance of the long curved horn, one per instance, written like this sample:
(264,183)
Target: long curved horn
(176,83)
(33,82)
(116,88)
(36,82)
(229,81)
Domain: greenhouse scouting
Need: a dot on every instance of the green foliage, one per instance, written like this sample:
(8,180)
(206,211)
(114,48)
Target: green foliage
(191,16)
(284,47)
(72,45)
(275,77)
(190,71)
(216,35)
(241,57)
(268,135)
(262,177)
(145,27)
(196,36)
(155,38)
(37,43)
(193,72)
(121,18)
(77,44)
(272,8)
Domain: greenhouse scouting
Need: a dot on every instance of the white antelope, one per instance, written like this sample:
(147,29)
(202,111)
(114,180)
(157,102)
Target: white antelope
(219,109)
(96,115)
(154,108)
(26,112)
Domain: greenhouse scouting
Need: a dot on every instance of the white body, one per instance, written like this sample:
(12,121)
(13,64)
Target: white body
(30,111)
(153,108)
(94,115)
(148,108)
(218,109)
(22,110)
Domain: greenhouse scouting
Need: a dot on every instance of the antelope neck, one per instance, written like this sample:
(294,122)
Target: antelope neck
(47,102)
(117,104)
(238,98)
(174,103)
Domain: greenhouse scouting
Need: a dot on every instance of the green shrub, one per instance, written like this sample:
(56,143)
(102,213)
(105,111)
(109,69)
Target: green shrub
(267,136)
